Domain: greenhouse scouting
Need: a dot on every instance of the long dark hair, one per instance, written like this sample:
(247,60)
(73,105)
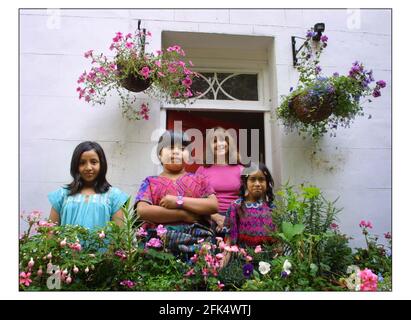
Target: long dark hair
(253,167)
(100,184)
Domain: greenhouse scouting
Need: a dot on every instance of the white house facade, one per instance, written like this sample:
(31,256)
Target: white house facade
(354,166)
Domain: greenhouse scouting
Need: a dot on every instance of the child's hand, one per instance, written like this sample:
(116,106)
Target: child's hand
(219,220)
(169,202)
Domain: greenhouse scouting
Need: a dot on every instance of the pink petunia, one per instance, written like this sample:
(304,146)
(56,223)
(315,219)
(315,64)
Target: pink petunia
(129,45)
(258,249)
(187,82)
(141,232)
(188,93)
(145,72)
(154,243)
(161,231)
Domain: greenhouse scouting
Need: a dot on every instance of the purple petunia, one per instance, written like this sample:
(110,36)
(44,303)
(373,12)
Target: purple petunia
(324,38)
(248,270)
(381,83)
(376,93)
(310,34)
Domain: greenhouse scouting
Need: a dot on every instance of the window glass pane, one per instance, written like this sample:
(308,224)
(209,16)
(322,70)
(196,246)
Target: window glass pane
(226,86)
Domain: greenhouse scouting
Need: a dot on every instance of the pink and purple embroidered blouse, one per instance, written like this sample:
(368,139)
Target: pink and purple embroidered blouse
(254,227)
(154,188)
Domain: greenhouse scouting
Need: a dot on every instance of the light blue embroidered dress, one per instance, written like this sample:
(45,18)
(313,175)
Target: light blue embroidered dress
(93,211)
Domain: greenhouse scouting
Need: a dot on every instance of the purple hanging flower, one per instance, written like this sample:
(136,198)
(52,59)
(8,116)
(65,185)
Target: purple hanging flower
(381,83)
(317,69)
(324,38)
(376,93)
(310,34)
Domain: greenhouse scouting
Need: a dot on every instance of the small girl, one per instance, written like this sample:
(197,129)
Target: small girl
(182,201)
(249,217)
(89,200)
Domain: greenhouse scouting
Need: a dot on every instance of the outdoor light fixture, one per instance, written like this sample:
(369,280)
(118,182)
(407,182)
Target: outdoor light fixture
(318,29)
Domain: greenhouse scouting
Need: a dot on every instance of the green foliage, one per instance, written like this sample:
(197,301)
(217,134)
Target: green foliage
(310,254)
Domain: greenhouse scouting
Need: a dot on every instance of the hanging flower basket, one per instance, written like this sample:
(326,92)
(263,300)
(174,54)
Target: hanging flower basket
(131,81)
(162,75)
(320,104)
(310,109)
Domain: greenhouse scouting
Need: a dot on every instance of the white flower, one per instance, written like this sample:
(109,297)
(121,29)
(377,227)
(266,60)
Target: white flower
(353,282)
(287,266)
(264,267)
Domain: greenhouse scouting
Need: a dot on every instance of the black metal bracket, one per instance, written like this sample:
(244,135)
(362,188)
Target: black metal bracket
(295,52)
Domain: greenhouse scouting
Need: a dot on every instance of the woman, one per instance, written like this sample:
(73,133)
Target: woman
(223,173)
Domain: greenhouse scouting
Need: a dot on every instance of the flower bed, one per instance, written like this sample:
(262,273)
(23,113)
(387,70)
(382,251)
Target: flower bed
(310,254)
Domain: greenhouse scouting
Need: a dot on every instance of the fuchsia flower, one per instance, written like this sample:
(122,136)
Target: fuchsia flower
(102,235)
(121,254)
(190,273)
(194,258)
(40,272)
(25,278)
(129,45)
(154,243)
(88,54)
(30,264)
(127,283)
(220,285)
(334,226)
(129,35)
(365,224)
(387,235)
(63,243)
(75,246)
(219,256)
(144,112)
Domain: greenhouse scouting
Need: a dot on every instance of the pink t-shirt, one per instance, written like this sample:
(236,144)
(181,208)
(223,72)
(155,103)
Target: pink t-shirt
(225,180)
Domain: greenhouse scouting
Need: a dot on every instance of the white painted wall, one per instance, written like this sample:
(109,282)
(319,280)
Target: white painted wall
(356,165)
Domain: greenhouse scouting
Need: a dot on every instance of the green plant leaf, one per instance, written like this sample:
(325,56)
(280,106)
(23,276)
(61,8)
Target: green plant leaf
(290,230)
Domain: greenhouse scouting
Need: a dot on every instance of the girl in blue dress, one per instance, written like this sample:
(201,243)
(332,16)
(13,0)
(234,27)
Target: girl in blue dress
(89,200)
